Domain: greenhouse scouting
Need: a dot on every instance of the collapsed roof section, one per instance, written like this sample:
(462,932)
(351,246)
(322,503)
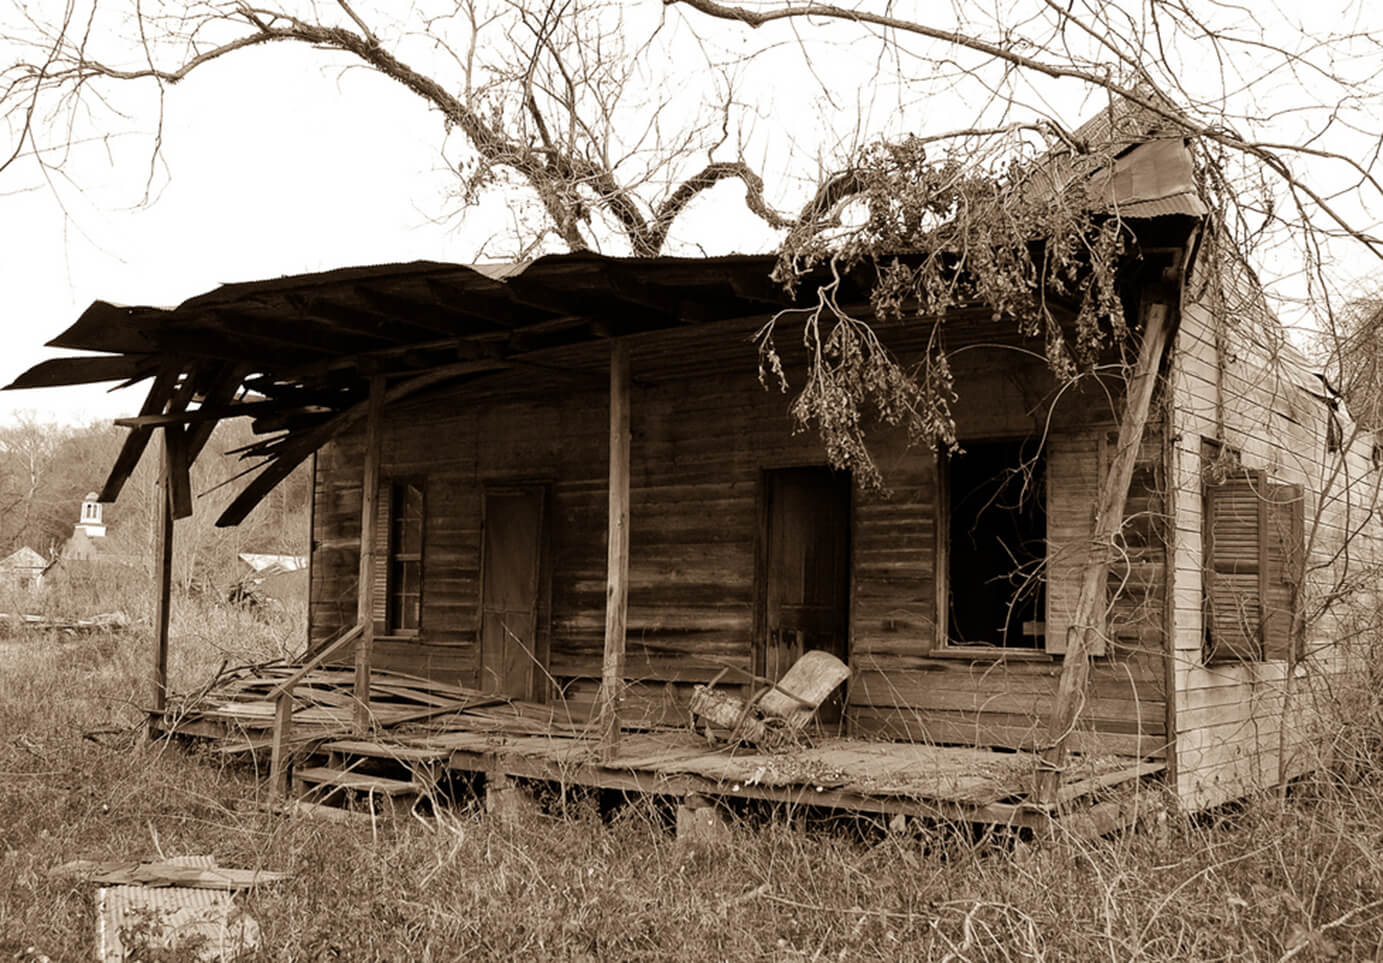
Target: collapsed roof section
(298,353)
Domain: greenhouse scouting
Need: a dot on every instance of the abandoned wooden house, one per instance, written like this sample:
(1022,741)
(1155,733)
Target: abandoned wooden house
(573,491)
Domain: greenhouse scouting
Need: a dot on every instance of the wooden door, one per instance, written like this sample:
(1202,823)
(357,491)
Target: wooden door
(805,595)
(511,650)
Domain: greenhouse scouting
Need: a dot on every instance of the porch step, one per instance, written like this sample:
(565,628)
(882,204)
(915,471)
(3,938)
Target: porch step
(241,745)
(360,782)
(384,750)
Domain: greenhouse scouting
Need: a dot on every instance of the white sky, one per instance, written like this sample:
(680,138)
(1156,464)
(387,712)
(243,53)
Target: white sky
(273,165)
(295,177)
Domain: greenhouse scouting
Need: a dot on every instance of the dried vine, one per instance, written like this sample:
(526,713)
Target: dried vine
(942,235)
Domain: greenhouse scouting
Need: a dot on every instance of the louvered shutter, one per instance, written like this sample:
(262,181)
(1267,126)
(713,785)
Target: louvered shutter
(383,519)
(1284,548)
(1255,563)
(1233,567)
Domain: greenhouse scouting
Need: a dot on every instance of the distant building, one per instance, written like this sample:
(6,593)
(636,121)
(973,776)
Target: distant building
(267,565)
(85,543)
(282,578)
(91,522)
(23,570)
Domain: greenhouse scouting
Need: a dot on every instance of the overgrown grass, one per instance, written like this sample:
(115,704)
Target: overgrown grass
(1301,877)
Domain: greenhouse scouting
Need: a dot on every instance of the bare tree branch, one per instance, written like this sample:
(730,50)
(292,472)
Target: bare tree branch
(1143,93)
(568,180)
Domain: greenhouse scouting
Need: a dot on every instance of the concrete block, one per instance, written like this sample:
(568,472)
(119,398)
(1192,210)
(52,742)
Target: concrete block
(698,821)
(506,800)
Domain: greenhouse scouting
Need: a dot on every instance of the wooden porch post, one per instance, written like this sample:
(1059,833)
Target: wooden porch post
(365,592)
(1089,619)
(163,573)
(617,559)
(278,748)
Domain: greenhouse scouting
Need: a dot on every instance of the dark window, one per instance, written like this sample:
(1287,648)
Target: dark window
(1254,547)
(404,579)
(997,546)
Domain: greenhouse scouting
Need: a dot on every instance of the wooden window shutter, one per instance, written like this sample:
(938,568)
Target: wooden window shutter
(1073,477)
(383,522)
(1254,543)
(1284,549)
(1234,566)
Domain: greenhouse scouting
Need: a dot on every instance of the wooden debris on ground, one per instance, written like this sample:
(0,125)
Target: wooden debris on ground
(313,810)
(194,872)
(324,703)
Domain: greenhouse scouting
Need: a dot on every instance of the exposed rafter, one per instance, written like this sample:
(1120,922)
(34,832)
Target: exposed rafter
(299,351)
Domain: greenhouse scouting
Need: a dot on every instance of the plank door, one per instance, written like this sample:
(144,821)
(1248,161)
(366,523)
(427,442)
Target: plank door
(510,581)
(805,594)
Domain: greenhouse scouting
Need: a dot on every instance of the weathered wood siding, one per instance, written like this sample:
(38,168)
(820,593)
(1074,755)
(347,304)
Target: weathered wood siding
(701,438)
(907,685)
(1231,731)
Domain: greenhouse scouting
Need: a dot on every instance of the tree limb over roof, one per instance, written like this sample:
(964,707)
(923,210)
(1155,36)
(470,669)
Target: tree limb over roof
(296,353)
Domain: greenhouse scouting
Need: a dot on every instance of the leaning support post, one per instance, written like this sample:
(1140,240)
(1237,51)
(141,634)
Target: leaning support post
(617,559)
(1088,621)
(163,574)
(365,593)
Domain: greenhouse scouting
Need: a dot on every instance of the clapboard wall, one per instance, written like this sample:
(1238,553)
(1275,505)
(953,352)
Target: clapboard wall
(702,435)
(1231,384)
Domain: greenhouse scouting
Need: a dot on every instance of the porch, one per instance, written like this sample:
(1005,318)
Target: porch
(549,555)
(428,732)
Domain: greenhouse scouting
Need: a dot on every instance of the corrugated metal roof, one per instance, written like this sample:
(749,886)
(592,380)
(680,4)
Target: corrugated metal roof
(131,917)
(1152,178)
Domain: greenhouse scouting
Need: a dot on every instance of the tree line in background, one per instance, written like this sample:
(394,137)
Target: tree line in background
(47,469)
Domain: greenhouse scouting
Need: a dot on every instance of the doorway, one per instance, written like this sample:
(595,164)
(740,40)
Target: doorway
(805,586)
(512,649)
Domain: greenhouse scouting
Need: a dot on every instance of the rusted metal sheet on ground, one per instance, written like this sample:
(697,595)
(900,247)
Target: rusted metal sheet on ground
(132,918)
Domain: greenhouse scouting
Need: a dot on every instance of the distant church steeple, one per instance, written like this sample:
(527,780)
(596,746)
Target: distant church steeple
(90,522)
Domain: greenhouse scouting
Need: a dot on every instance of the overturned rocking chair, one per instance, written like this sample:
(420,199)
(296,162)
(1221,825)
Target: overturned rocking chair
(775,716)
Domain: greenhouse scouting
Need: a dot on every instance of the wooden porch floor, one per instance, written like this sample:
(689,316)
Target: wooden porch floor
(472,731)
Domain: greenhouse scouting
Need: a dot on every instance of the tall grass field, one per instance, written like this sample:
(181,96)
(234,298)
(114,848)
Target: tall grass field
(1298,876)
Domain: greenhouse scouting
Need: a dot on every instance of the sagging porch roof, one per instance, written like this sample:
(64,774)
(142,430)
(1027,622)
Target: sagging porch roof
(298,353)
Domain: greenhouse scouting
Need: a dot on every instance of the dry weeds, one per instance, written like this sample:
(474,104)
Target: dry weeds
(1299,878)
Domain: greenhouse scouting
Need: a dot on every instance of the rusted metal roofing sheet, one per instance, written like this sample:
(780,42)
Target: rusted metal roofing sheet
(130,918)
(1155,178)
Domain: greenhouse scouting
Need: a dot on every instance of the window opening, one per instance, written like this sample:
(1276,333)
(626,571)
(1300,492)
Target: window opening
(998,544)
